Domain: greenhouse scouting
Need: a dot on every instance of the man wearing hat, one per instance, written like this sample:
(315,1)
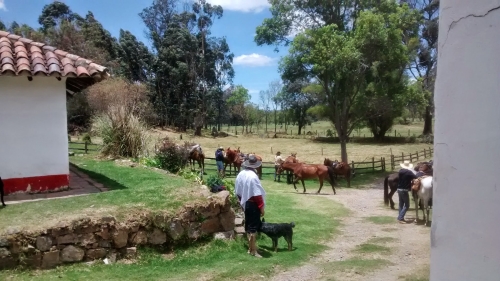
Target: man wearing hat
(219,159)
(278,160)
(251,196)
(406,175)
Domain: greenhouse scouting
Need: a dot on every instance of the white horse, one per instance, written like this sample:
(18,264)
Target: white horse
(423,191)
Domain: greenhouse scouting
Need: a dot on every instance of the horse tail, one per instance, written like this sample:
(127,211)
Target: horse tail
(331,174)
(386,191)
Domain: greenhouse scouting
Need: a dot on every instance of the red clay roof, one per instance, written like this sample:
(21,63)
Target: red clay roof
(21,56)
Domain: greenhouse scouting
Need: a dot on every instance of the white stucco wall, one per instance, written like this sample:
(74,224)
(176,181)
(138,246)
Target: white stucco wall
(33,131)
(465,235)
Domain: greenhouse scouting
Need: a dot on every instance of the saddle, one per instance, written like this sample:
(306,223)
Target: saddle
(416,183)
(195,147)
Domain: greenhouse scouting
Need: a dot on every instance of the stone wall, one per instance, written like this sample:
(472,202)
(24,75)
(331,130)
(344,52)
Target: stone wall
(91,239)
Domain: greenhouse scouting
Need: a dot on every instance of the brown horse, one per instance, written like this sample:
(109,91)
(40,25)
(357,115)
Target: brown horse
(230,158)
(309,171)
(289,172)
(391,181)
(196,154)
(341,169)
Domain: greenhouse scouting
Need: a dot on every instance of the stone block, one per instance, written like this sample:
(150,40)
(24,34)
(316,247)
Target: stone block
(176,229)
(4,252)
(138,238)
(72,254)
(120,238)
(43,243)
(8,263)
(94,254)
(33,261)
(157,237)
(210,226)
(50,259)
(131,253)
(227,220)
(67,239)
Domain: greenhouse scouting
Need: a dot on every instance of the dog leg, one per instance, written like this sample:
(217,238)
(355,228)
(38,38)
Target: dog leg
(289,241)
(275,244)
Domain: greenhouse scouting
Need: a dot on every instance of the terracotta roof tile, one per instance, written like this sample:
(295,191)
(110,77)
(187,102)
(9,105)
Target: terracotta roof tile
(22,56)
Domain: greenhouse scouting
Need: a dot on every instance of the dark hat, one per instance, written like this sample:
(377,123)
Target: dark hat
(251,162)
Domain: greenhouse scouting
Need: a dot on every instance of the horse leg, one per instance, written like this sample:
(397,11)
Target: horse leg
(390,197)
(415,199)
(320,185)
(426,209)
(294,182)
(333,187)
(303,185)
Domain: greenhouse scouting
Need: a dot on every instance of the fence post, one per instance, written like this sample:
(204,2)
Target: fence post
(394,133)
(322,151)
(425,153)
(352,164)
(392,162)
(418,158)
(402,156)
(385,169)
(86,148)
(373,164)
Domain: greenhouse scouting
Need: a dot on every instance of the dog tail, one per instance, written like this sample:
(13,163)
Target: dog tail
(292,224)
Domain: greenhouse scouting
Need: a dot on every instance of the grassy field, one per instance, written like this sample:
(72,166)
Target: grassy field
(316,220)
(131,190)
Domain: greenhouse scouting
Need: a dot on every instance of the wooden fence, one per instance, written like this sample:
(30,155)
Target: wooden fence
(82,146)
(412,157)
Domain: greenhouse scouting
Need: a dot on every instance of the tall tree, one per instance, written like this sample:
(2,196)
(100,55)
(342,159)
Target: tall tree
(2,25)
(134,57)
(275,88)
(54,14)
(423,66)
(265,99)
(332,50)
(298,97)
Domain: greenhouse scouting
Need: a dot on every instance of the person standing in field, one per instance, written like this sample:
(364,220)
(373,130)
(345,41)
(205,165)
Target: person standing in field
(251,196)
(406,176)
(278,160)
(219,159)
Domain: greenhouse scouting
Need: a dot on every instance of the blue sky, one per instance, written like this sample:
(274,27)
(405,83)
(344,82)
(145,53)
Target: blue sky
(255,66)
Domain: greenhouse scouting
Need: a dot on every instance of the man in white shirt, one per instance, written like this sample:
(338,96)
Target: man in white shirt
(278,160)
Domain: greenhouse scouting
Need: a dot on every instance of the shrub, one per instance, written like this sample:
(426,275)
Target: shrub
(229,184)
(171,156)
(123,134)
(86,138)
(329,133)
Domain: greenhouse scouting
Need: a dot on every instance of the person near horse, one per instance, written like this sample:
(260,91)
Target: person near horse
(219,159)
(278,160)
(406,176)
(251,196)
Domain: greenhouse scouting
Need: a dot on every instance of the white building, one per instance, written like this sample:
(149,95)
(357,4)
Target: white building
(34,81)
(465,234)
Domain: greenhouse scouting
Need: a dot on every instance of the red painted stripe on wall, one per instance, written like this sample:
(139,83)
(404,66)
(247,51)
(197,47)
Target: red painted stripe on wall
(36,184)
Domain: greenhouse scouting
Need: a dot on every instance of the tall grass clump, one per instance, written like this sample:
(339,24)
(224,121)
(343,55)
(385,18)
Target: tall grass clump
(119,109)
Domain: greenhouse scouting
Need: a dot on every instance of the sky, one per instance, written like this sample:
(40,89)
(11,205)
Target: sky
(255,67)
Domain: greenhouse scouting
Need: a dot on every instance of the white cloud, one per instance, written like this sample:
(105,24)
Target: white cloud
(241,5)
(251,91)
(253,60)
(2,5)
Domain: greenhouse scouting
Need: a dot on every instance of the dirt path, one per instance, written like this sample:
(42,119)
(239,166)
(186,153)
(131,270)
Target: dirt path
(409,244)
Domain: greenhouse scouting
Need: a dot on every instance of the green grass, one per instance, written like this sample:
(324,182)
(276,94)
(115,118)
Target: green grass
(368,248)
(382,240)
(316,219)
(381,219)
(131,189)
(422,275)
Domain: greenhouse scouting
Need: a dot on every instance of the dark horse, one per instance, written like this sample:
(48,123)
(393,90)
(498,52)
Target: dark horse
(341,169)
(391,181)
(309,171)
(196,154)
(2,192)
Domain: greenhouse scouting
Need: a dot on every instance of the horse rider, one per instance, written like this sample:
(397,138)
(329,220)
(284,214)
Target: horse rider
(219,159)
(278,161)
(406,176)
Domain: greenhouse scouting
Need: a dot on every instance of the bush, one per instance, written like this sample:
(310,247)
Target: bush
(329,133)
(170,156)
(123,134)
(86,138)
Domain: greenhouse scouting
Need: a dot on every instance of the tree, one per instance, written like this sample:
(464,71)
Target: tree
(2,26)
(424,63)
(54,14)
(298,97)
(265,99)
(238,101)
(275,88)
(333,51)
(134,58)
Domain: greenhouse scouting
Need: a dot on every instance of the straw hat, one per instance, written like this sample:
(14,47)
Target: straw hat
(221,148)
(251,162)
(406,165)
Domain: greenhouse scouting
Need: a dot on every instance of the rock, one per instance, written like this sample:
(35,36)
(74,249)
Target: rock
(94,254)
(87,229)
(15,247)
(29,250)
(43,243)
(210,226)
(71,153)
(86,239)
(223,198)
(50,259)
(33,261)
(188,215)
(212,210)
(194,230)
(138,238)
(104,233)
(8,263)
(60,231)
(120,237)
(4,242)
(4,253)
(72,254)
(111,257)
(240,230)
(157,237)
(160,221)
(67,239)
(176,230)
(108,219)
(224,235)
(131,252)
(238,221)
(227,220)
(104,244)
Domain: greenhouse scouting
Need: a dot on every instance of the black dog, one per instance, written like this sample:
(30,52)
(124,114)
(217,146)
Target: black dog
(1,192)
(277,230)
